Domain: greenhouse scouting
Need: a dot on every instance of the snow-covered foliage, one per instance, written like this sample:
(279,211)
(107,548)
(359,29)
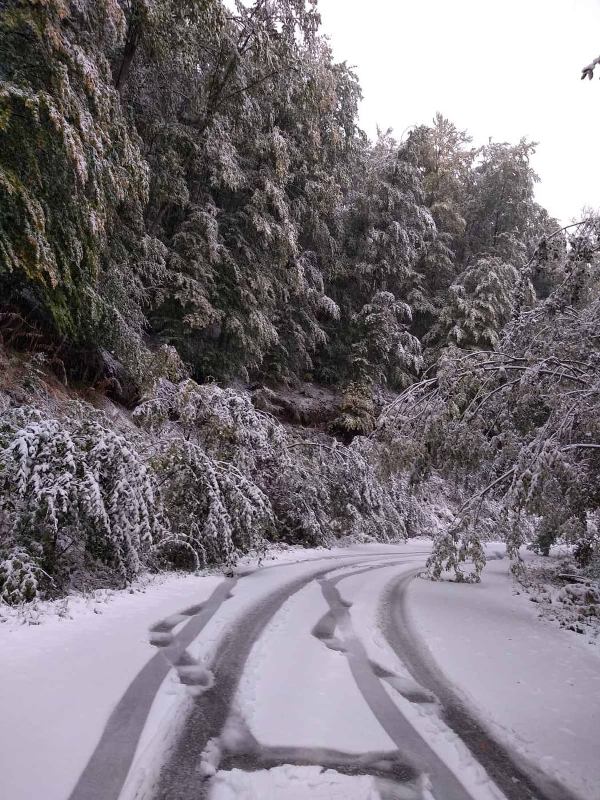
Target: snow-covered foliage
(19,577)
(57,98)
(205,478)
(520,424)
(384,345)
(213,445)
(71,491)
(184,191)
(230,207)
(479,304)
(270,481)
(212,506)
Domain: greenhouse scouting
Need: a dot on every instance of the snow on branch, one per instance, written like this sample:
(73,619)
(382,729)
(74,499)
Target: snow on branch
(588,72)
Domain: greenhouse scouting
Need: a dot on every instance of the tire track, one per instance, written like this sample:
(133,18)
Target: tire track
(182,777)
(185,777)
(518,778)
(106,771)
(411,745)
(108,767)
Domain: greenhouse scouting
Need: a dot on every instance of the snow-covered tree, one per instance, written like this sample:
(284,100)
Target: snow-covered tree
(479,304)
(517,427)
(383,345)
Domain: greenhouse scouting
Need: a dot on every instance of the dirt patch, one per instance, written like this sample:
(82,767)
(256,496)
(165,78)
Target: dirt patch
(308,405)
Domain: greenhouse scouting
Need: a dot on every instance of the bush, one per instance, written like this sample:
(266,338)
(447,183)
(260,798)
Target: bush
(72,489)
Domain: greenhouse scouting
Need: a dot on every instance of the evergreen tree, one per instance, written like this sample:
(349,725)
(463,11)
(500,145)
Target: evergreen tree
(479,304)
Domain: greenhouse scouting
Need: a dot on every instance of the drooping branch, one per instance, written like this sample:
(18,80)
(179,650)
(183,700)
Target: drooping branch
(588,72)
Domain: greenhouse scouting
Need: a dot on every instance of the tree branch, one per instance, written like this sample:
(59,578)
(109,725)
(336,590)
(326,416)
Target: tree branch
(588,72)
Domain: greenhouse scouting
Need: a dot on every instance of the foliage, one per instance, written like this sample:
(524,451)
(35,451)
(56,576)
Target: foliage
(478,305)
(185,198)
(72,490)
(357,411)
(204,185)
(71,170)
(273,482)
(19,578)
(519,423)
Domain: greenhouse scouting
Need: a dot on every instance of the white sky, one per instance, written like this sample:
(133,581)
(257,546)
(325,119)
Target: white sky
(499,68)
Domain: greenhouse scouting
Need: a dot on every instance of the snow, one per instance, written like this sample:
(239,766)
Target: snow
(364,591)
(307,783)
(535,687)
(60,680)
(278,569)
(297,692)
(293,783)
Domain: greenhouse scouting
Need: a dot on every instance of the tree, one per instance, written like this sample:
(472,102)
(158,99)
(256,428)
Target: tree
(479,305)
(244,160)
(517,427)
(57,97)
(385,227)
(501,210)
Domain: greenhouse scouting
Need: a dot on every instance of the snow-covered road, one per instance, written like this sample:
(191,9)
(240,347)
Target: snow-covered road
(313,679)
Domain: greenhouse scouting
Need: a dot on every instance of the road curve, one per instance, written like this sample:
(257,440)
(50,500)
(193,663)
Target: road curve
(517,778)
(183,777)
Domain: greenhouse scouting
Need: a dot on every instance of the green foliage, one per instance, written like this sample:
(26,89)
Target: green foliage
(479,304)
(193,175)
(19,578)
(71,171)
(184,190)
(357,411)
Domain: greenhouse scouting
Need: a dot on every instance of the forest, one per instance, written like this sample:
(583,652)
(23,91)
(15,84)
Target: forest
(198,243)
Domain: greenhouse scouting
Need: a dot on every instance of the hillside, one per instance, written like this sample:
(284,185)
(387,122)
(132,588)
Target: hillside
(228,318)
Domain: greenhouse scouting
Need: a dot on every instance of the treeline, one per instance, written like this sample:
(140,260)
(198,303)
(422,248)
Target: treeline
(192,173)
(186,199)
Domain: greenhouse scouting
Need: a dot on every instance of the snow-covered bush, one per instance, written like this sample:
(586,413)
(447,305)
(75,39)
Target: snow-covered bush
(207,478)
(19,578)
(213,441)
(71,490)
(223,421)
(252,477)
(213,508)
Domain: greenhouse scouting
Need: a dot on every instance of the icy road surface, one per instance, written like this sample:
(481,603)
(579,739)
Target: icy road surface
(335,675)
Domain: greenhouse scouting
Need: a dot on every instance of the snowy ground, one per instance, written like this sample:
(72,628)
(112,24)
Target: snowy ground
(60,679)
(535,686)
(565,594)
(320,704)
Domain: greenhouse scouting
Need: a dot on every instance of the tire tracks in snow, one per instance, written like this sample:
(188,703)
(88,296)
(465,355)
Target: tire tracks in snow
(518,778)
(182,777)
(411,745)
(106,771)
(108,767)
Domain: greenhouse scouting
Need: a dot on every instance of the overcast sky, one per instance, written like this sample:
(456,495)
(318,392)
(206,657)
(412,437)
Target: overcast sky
(499,68)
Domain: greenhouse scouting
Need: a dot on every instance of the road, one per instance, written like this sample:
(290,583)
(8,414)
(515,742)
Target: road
(309,681)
